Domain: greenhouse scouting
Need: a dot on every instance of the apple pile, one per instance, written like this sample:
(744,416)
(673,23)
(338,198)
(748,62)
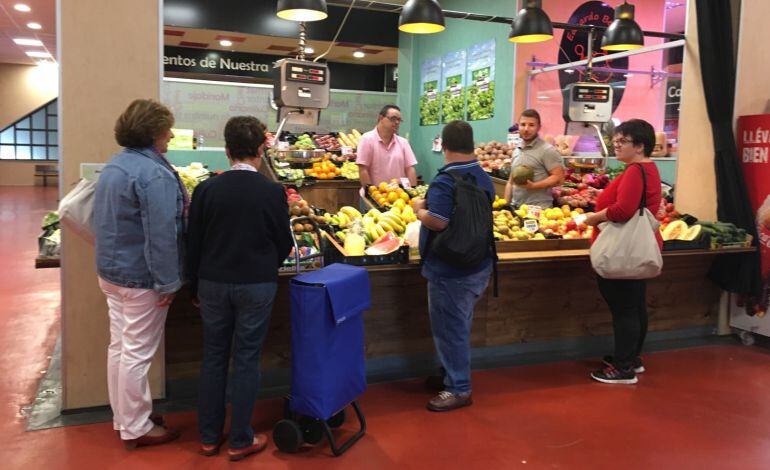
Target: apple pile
(667,213)
(580,189)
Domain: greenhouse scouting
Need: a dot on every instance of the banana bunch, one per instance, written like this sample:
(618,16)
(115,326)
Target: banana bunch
(349,140)
(344,217)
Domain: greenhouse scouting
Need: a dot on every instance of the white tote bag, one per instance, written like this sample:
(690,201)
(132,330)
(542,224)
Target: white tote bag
(76,209)
(628,250)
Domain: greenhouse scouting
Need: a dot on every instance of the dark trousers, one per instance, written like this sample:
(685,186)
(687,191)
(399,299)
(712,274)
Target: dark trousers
(627,300)
(237,315)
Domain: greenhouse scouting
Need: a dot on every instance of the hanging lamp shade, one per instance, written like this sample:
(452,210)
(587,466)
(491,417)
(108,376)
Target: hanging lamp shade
(623,33)
(531,24)
(421,17)
(302,10)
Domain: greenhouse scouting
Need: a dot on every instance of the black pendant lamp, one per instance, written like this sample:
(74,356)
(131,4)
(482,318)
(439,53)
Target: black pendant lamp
(531,24)
(624,33)
(302,10)
(421,17)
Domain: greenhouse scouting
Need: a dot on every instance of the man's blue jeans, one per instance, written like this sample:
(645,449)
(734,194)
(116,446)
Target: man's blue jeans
(451,302)
(240,312)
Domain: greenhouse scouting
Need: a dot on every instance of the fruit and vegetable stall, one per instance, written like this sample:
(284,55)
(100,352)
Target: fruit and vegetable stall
(547,289)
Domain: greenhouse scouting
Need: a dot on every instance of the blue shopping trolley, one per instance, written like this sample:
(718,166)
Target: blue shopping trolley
(327,365)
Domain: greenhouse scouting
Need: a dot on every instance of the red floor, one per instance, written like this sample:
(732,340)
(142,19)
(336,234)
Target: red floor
(694,409)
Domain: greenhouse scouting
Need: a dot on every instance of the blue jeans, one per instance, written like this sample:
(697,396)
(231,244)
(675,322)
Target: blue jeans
(240,311)
(451,302)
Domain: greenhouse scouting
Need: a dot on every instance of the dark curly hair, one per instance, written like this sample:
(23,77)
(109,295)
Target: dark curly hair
(243,136)
(142,122)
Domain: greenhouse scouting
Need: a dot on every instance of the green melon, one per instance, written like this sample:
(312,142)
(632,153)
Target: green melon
(522,174)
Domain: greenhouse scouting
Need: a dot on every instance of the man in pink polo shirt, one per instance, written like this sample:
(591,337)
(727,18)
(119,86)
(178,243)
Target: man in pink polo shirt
(383,154)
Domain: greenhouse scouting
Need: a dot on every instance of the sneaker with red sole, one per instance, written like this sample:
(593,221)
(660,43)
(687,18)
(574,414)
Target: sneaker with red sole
(210,450)
(612,375)
(258,444)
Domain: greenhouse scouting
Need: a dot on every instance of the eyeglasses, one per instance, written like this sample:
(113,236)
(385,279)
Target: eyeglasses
(621,142)
(394,119)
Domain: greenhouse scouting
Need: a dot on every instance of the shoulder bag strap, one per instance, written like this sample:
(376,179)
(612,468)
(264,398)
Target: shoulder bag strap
(643,203)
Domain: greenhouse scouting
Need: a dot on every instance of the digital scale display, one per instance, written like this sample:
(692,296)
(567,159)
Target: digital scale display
(306,73)
(591,94)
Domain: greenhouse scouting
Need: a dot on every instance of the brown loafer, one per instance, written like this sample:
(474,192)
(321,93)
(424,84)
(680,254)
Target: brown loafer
(147,440)
(259,443)
(210,450)
(446,401)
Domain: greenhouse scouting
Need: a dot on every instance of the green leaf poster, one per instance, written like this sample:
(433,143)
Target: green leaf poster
(430,75)
(453,86)
(481,81)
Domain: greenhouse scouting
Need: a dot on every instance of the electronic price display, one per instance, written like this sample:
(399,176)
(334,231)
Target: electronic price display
(588,102)
(301,84)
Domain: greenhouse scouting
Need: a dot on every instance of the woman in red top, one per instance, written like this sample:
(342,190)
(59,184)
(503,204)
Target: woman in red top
(633,142)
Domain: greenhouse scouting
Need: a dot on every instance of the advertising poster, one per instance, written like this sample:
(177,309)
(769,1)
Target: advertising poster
(430,75)
(753,138)
(453,86)
(481,81)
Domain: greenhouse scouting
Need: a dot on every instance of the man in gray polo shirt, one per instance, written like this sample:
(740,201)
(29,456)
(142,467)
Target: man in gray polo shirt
(542,158)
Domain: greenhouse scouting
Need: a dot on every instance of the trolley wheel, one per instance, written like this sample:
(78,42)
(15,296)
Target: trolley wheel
(312,429)
(287,436)
(337,420)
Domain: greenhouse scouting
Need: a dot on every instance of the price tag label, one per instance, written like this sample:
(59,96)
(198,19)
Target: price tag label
(283,145)
(531,226)
(347,150)
(534,211)
(405,183)
(437,144)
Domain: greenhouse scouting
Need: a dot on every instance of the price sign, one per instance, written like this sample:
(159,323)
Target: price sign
(347,150)
(405,183)
(283,145)
(531,226)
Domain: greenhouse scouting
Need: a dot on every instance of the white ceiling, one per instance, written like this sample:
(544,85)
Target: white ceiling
(13,24)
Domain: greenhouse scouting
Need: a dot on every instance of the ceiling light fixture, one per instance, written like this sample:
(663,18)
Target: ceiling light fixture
(359,54)
(624,33)
(34,26)
(225,43)
(28,42)
(302,10)
(38,54)
(421,17)
(531,24)
(22,7)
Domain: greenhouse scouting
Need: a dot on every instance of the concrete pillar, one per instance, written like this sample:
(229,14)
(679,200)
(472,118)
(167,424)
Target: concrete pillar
(109,55)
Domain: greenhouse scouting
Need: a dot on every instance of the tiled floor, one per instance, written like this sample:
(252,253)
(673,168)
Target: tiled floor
(696,408)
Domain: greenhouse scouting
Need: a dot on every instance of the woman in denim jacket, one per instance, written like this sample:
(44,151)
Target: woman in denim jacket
(139,211)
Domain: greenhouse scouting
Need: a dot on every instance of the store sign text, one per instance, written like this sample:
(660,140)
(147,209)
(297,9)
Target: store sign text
(759,139)
(211,63)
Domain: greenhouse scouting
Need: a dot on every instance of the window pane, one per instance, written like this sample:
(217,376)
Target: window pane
(38,120)
(52,138)
(7,152)
(23,124)
(22,137)
(53,153)
(52,122)
(23,152)
(38,153)
(38,137)
(6,137)
(52,108)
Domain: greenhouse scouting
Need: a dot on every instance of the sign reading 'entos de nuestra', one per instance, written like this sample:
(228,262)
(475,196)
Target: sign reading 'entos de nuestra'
(183,59)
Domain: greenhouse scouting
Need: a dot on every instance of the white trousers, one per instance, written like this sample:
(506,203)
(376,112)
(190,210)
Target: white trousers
(136,329)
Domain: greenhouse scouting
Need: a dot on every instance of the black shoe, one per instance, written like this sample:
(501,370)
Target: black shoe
(611,375)
(638,366)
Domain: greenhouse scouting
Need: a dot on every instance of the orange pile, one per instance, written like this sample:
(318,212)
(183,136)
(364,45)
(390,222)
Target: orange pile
(386,195)
(323,170)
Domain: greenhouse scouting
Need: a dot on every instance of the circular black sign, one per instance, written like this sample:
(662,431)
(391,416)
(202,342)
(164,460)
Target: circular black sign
(574,47)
